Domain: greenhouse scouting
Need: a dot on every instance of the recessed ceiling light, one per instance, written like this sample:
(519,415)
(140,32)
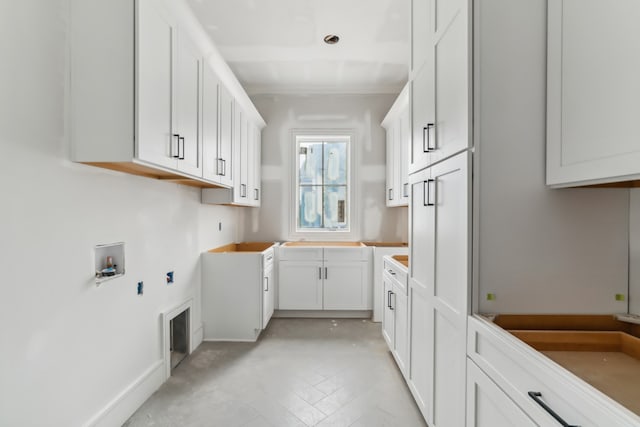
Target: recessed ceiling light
(331,39)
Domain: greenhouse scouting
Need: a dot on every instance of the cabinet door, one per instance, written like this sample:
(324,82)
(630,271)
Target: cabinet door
(255,168)
(300,285)
(488,405)
(388,316)
(267,296)
(241,143)
(421,28)
(451,59)
(391,172)
(450,269)
(593,105)
(423,117)
(404,140)
(155,47)
(421,348)
(345,286)
(421,218)
(226,143)
(211,164)
(400,308)
(187,97)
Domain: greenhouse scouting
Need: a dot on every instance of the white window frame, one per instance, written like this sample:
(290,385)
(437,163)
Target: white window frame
(352,233)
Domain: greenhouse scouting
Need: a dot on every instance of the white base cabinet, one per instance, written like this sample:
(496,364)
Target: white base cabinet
(395,320)
(237,294)
(519,370)
(488,405)
(324,279)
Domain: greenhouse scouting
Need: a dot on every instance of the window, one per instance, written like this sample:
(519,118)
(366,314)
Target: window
(322,183)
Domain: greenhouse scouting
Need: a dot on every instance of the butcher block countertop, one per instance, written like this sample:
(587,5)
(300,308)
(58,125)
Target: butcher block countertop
(599,349)
(243,247)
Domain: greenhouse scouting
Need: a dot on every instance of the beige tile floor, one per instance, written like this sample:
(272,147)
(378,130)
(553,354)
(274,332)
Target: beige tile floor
(301,372)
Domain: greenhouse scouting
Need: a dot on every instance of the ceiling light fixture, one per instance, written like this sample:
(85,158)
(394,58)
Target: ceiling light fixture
(331,39)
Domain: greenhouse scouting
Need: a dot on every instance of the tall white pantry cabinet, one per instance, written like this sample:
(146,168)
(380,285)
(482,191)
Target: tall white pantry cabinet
(486,233)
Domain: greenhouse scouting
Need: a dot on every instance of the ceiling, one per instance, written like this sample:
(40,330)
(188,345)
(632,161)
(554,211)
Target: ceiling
(276,46)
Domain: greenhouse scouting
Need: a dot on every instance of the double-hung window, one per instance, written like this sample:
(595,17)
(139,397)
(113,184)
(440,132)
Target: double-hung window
(322,183)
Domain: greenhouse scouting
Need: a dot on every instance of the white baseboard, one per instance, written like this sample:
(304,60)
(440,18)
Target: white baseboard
(116,412)
(324,314)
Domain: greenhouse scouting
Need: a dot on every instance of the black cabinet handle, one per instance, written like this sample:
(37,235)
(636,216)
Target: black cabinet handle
(405,189)
(389,299)
(391,194)
(224,167)
(426,138)
(181,157)
(267,281)
(177,137)
(537,397)
(243,190)
(427,192)
(326,273)
(390,306)
(256,194)
(320,273)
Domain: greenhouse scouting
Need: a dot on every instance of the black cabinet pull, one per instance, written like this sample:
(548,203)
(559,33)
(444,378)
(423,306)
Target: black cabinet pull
(427,192)
(390,306)
(537,397)
(391,194)
(426,138)
(224,167)
(177,137)
(320,273)
(389,299)
(181,157)
(243,190)
(267,282)
(256,194)
(405,189)
(326,273)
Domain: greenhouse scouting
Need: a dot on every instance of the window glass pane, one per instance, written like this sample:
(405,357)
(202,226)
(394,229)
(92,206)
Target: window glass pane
(310,163)
(335,206)
(310,214)
(335,159)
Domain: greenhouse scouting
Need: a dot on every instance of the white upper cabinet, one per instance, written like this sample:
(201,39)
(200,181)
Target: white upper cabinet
(187,108)
(397,126)
(156,46)
(440,92)
(227,168)
(212,166)
(593,99)
(150,107)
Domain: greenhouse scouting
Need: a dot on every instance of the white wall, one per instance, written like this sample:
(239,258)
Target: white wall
(69,347)
(540,250)
(363,114)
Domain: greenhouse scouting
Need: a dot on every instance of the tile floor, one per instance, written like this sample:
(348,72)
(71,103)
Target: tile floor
(301,372)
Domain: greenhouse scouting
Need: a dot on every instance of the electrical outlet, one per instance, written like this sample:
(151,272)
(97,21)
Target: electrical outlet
(620,297)
(140,288)
(169,277)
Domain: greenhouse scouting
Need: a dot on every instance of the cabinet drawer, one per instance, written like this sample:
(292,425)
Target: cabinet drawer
(267,258)
(519,369)
(398,275)
(300,254)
